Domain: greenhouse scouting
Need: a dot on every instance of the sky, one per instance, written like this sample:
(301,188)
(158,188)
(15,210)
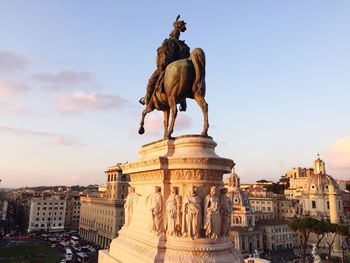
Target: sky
(72,72)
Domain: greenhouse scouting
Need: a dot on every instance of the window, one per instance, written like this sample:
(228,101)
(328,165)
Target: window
(327,204)
(314,204)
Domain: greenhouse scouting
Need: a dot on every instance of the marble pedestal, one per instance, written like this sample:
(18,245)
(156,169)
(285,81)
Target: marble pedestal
(182,162)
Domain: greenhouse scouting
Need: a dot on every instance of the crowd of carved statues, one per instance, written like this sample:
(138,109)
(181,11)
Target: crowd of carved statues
(188,216)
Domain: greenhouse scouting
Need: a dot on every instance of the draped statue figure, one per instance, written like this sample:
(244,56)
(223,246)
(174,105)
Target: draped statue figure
(226,210)
(173,213)
(212,215)
(192,214)
(129,205)
(157,211)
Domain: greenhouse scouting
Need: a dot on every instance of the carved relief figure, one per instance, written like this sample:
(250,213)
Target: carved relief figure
(226,210)
(192,214)
(212,215)
(157,211)
(173,213)
(129,205)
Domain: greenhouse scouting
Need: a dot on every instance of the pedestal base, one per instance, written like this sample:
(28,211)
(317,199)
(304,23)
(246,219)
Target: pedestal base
(182,164)
(152,249)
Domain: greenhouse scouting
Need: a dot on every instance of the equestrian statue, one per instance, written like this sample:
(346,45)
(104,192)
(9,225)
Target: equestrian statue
(179,75)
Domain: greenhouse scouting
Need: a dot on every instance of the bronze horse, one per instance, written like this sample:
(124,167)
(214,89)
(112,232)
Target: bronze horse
(183,79)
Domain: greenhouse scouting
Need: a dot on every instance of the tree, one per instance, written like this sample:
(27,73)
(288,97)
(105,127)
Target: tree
(335,230)
(304,227)
(320,229)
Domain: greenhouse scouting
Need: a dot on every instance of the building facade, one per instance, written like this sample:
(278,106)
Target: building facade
(102,218)
(46,214)
(276,234)
(72,213)
(245,236)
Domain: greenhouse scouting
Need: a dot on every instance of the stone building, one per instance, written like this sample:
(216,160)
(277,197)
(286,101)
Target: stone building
(102,218)
(297,178)
(3,216)
(276,234)
(46,214)
(263,203)
(317,194)
(245,236)
(72,213)
(287,208)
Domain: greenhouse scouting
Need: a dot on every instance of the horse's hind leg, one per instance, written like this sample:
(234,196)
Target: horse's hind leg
(166,122)
(204,107)
(173,108)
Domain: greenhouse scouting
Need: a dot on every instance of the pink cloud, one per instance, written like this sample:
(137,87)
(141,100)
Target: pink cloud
(64,78)
(61,140)
(81,101)
(12,61)
(339,153)
(55,139)
(338,157)
(11,88)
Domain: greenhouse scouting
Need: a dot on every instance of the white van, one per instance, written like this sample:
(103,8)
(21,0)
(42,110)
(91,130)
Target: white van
(69,254)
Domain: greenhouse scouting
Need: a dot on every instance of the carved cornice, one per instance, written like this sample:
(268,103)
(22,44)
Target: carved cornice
(147,176)
(223,162)
(196,174)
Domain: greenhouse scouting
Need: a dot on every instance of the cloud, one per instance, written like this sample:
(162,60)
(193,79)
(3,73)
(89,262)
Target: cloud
(61,140)
(20,111)
(81,101)
(11,61)
(338,158)
(55,139)
(339,153)
(64,78)
(11,88)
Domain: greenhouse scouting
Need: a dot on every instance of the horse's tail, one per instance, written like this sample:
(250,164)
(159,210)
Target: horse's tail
(198,60)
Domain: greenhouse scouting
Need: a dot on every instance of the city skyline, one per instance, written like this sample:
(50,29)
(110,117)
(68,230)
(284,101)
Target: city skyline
(71,75)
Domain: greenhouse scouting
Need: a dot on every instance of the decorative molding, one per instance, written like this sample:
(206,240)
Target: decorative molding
(147,176)
(196,174)
(223,162)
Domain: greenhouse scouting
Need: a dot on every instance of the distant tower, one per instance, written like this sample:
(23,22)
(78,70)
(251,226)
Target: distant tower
(334,217)
(234,180)
(319,166)
(117,183)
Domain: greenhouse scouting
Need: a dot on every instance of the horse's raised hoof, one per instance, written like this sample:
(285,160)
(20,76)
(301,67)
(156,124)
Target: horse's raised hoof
(141,130)
(142,101)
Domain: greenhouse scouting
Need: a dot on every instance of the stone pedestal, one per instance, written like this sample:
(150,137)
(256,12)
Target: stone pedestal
(183,162)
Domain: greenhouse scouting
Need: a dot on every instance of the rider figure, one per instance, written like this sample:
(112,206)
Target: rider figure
(172,49)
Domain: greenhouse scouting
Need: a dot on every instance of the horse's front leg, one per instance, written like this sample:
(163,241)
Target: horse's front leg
(166,123)
(144,113)
(173,108)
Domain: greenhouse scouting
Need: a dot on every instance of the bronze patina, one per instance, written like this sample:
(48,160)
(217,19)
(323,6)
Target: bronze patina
(179,75)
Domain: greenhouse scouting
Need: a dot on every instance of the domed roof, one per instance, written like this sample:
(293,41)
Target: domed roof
(321,183)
